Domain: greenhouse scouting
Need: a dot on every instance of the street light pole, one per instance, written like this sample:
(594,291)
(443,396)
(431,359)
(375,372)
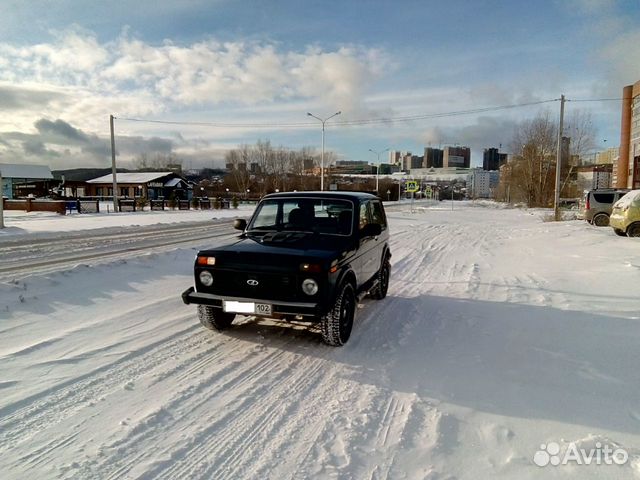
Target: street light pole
(322,156)
(378,167)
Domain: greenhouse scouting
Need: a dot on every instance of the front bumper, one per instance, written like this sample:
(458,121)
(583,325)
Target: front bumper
(308,309)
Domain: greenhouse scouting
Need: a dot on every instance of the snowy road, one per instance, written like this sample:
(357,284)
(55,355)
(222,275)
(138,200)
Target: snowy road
(52,252)
(500,333)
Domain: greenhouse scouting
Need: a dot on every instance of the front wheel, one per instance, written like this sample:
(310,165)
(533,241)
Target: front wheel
(214,318)
(336,325)
(619,232)
(633,230)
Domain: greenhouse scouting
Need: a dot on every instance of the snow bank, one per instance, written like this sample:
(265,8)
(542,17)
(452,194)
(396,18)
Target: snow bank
(18,223)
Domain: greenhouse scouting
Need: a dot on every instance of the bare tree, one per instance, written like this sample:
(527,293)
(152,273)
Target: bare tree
(530,174)
(237,160)
(141,162)
(580,129)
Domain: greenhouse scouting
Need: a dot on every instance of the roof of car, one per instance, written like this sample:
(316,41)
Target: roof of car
(319,194)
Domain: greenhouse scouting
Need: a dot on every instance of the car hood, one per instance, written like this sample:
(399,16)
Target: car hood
(255,251)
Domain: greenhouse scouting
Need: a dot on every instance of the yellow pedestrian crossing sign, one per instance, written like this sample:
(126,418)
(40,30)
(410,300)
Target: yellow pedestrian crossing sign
(412,186)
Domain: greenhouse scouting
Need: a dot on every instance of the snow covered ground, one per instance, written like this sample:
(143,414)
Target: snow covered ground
(501,333)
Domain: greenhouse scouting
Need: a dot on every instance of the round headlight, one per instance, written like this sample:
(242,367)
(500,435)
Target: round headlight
(206,278)
(309,286)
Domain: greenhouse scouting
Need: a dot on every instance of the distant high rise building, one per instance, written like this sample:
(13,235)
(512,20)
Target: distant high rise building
(406,161)
(394,157)
(432,158)
(492,159)
(610,155)
(456,157)
(483,182)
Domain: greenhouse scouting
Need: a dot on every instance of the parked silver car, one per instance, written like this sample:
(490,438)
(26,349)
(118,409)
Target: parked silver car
(596,205)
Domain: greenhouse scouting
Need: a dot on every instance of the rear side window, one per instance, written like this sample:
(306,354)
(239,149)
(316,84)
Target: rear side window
(377,214)
(364,214)
(603,197)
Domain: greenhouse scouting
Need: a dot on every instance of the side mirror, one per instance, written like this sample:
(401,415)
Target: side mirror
(239,224)
(372,230)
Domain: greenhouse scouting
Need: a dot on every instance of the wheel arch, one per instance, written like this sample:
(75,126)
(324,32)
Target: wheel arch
(347,275)
(386,253)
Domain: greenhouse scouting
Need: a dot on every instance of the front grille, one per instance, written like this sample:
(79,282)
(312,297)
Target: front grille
(271,286)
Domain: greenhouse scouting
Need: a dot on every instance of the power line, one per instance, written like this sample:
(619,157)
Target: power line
(594,100)
(358,122)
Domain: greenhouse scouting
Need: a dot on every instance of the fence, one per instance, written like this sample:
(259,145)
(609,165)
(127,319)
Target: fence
(157,204)
(126,205)
(32,205)
(82,206)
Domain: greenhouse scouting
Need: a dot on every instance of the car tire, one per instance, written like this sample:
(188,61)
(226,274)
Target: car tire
(337,324)
(382,285)
(214,318)
(601,220)
(633,230)
(619,232)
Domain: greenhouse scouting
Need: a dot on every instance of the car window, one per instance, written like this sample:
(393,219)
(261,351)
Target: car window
(377,214)
(267,217)
(319,215)
(364,214)
(603,197)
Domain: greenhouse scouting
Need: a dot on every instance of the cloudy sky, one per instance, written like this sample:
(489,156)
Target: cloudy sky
(238,71)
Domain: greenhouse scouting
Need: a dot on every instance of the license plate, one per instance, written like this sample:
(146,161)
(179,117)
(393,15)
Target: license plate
(247,307)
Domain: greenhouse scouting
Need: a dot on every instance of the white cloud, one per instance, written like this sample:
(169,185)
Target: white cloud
(131,77)
(622,53)
(77,79)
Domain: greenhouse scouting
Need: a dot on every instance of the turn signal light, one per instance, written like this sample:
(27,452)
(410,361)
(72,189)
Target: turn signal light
(206,261)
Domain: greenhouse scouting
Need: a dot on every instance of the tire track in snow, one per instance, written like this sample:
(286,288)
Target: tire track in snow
(134,312)
(64,400)
(40,455)
(215,440)
(236,382)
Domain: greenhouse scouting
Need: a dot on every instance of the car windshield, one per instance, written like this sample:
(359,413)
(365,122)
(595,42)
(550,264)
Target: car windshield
(314,215)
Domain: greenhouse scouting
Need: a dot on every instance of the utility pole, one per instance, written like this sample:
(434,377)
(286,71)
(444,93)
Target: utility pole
(113,165)
(556,203)
(1,202)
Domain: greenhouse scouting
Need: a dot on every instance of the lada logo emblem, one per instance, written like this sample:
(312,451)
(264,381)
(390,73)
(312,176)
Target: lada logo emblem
(252,282)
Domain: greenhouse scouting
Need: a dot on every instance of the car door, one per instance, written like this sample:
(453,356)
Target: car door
(377,216)
(367,243)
